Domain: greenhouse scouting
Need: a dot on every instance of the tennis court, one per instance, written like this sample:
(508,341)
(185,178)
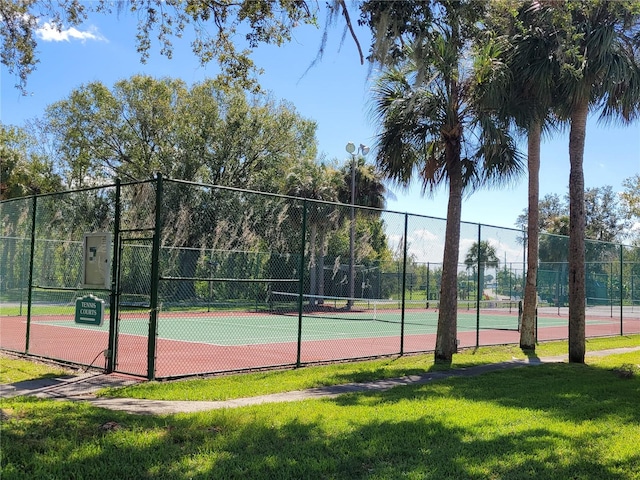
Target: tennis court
(200,290)
(365,319)
(193,342)
(327,321)
(242,328)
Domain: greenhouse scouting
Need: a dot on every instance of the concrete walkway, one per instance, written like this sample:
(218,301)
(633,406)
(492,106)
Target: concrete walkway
(83,388)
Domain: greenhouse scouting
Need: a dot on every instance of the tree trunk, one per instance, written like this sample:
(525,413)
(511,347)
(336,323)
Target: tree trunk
(448,312)
(577,290)
(313,276)
(322,240)
(7,282)
(187,264)
(527,328)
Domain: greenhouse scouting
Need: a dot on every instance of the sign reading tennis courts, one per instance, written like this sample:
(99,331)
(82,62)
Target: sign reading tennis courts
(89,310)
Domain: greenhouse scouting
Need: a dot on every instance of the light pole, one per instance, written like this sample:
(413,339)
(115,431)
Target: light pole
(363,150)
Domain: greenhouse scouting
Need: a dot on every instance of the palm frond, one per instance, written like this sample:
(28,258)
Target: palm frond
(620,98)
(497,154)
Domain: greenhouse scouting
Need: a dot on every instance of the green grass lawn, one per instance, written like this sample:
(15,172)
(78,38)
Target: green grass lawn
(18,370)
(555,421)
(262,383)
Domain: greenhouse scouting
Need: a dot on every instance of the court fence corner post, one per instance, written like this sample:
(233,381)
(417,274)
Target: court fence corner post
(621,290)
(155,280)
(479,280)
(301,281)
(113,296)
(31,261)
(404,282)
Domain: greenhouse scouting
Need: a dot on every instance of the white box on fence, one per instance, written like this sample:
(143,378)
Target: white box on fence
(96,259)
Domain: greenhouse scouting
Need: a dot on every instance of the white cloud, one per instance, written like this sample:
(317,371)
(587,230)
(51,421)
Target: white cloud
(465,246)
(422,255)
(425,246)
(424,235)
(49,33)
(395,241)
(511,252)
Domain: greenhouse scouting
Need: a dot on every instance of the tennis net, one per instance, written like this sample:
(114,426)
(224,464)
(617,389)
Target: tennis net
(372,309)
(496,314)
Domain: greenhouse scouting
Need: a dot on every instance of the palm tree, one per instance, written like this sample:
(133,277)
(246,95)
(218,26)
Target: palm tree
(518,82)
(308,179)
(482,255)
(599,71)
(369,192)
(431,127)
(370,189)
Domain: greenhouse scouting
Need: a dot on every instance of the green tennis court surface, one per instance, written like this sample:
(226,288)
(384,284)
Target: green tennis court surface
(245,328)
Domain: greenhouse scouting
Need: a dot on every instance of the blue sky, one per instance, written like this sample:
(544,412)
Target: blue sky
(334,93)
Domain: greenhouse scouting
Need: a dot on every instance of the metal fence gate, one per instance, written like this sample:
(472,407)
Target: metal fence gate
(132,306)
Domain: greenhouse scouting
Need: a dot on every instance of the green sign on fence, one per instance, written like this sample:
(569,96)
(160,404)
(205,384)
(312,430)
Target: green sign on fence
(89,310)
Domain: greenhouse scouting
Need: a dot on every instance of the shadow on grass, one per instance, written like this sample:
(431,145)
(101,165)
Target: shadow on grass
(367,374)
(570,392)
(404,432)
(18,371)
(531,355)
(44,376)
(372,374)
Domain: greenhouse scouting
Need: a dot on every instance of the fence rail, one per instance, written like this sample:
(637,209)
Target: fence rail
(206,279)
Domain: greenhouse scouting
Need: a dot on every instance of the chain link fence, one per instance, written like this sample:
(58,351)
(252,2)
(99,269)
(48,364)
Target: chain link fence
(205,279)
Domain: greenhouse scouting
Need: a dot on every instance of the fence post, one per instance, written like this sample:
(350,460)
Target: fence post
(404,282)
(510,291)
(525,240)
(621,292)
(155,274)
(30,288)
(427,292)
(301,281)
(22,276)
(611,287)
(114,297)
(478,287)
